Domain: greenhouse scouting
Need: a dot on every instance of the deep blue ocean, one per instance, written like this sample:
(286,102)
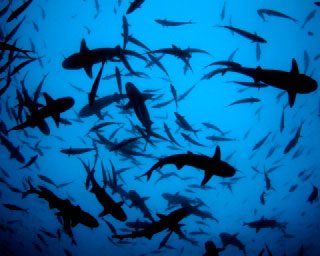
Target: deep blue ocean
(272,146)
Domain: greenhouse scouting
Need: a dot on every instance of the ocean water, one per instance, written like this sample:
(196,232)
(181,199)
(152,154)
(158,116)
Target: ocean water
(56,28)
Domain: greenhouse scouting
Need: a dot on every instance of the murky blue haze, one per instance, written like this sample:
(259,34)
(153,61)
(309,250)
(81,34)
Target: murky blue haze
(56,29)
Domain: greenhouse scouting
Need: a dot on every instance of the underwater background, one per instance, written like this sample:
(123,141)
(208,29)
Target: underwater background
(252,137)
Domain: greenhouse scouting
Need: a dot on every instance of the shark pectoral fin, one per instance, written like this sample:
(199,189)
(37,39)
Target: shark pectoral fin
(294,67)
(88,70)
(44,128)
(292,98)
(217,153)
(99,115)
(179,165)
(56,118)
(206,178)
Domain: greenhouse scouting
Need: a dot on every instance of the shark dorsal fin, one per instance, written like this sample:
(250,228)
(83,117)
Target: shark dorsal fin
(48,98)
(83,46)
(294,67)
(217,153)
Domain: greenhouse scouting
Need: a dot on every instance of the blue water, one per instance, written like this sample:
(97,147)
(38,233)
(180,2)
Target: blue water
(60,33)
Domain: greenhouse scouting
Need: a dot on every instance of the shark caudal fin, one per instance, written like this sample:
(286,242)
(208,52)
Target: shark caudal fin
(291,93)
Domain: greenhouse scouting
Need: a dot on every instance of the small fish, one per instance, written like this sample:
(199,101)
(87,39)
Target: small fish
(188,138)
(13,207)
(134,5)
(293,142)
(94,89)
(169,23)
(261,142)
(253,37)
(262,12)
(30,162)
(245,100)
(218,138)
(19,10)
(263,198)
(309,17)
(282,121)
(174,94)
(314,195)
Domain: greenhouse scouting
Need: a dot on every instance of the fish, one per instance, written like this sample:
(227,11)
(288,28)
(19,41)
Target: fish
(167,130)
(99,104)
(108,204)
(182,122)
(135,41)
(314,195)
(211,249)
(170,23)
(214,127)
(17,12)
(261,142)
(52,109)
(223,11)
(30,162)
(137,102)
(134,5)
(246,34)
(4,10)
(8,47)
(306,60)
(174,94)
(264,223)
(245,100)
(219,138)
(139,202)
(111,227)
(118,77)
(125,28)
(165,240)
(212,166)
(165,222)
(294,141)
(46,179)
(258,52)
(309,17)
(77,151)
(72,215)
(263,198)
(93,93)
(274,13)
(293,188)
(292,82)
(282,121)
(86,58)
(268,181)
(232,239)
(16,208)
(192,141)
(14,151)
